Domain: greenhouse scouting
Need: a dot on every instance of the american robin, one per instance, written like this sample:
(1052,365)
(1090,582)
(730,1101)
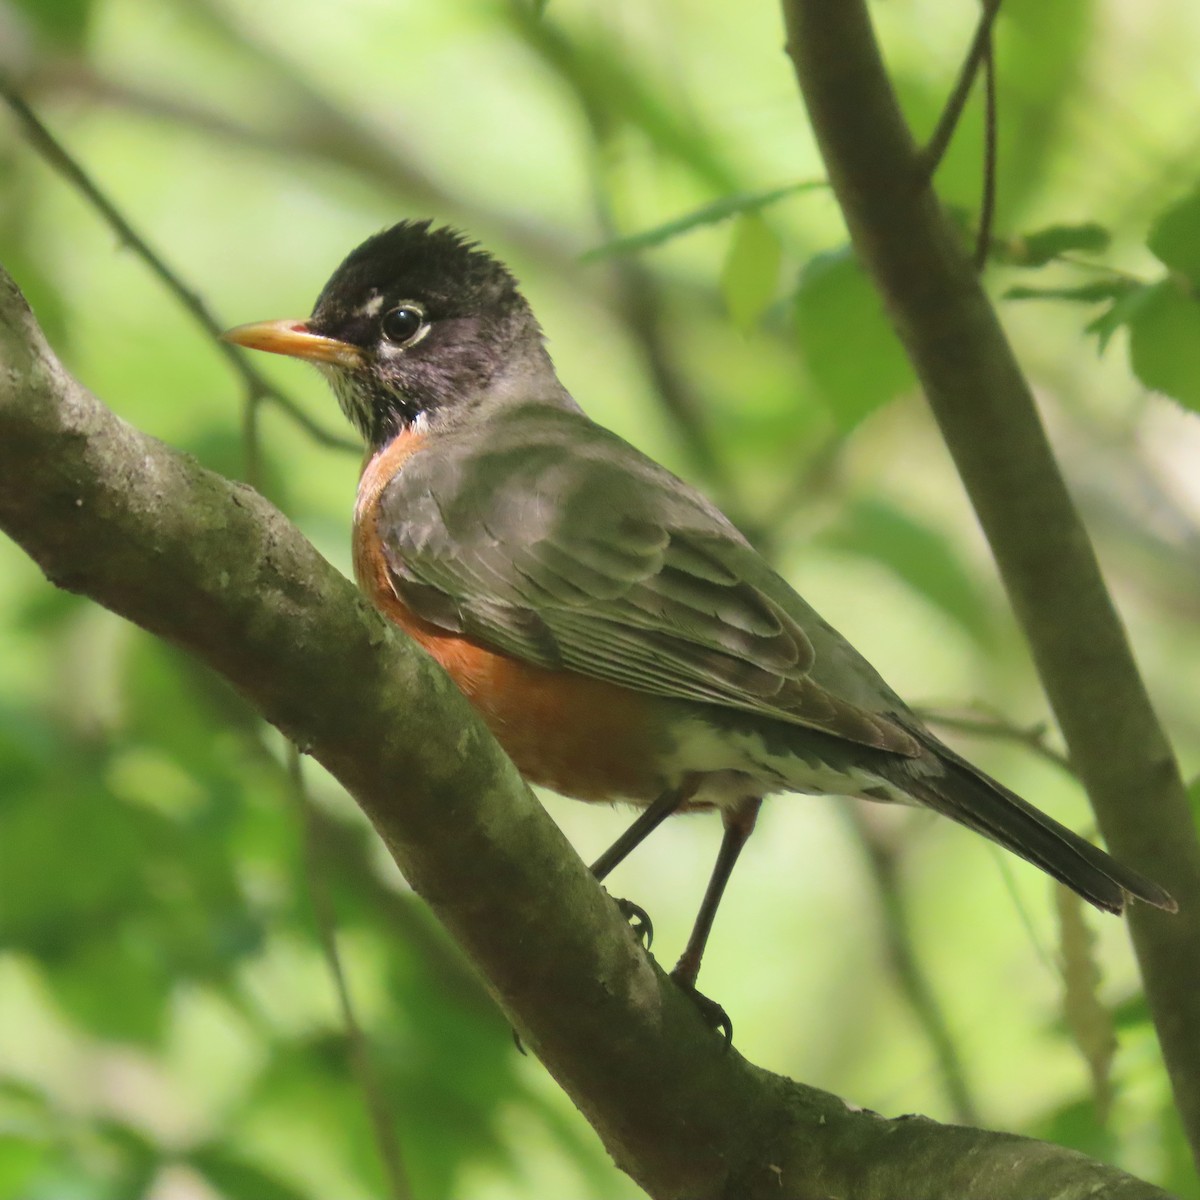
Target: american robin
(620,637)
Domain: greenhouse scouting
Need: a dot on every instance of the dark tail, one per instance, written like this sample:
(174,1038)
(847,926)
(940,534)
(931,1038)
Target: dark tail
(968,796)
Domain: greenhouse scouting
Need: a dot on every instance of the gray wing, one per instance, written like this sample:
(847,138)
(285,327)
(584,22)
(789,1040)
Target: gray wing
(544,536)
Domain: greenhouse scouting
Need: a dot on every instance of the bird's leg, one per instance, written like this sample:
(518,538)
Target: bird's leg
(739,825)
(647,822)
(649,819)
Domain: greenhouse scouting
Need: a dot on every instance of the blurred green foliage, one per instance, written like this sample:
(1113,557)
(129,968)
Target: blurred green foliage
(168,1025)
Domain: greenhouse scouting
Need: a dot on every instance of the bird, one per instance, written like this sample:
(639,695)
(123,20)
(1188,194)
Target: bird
(620,637)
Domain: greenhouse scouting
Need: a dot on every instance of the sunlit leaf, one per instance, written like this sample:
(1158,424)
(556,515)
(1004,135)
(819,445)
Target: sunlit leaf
(1175,238)
(21,1160)
(848,345)
(750,276)
(1164,343)
(1041,53)
(1118,314)
(1084,293)
(1045,245)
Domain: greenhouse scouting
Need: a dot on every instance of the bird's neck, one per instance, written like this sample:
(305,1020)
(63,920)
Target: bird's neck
(524,378)
(520,381)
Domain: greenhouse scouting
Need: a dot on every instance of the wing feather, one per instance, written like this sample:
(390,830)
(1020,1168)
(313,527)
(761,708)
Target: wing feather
(554,541)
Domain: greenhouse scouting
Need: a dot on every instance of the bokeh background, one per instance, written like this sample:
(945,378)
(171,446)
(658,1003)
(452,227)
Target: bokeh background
(169,1025)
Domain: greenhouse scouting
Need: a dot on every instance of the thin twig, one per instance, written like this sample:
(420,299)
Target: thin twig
(382,1119)
(1004,864)
(639,298)
(884,861)
(931,157)
(1073,260)
(325,130)
(988,415)
(258,387)
(640,292)
(1032,737)
(987,205)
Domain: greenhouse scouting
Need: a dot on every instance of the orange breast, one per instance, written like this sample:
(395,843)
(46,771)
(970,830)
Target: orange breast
(581,737)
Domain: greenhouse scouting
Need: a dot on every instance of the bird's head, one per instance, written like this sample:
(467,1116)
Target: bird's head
(417,324)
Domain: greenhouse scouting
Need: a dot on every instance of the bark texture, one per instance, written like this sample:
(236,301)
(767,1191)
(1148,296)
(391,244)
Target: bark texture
(210,566)
(991,425)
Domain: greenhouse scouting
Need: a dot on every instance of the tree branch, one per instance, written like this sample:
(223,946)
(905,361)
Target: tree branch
(980,50)
(258,387)
(212,567)
(988,418)
(981,723)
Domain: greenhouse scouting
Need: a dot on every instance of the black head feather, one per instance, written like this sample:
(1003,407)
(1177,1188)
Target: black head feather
(479,328)
(449,273)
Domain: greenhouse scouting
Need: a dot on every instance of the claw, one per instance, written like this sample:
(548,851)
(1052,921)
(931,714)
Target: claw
(639,920)
(715,1017)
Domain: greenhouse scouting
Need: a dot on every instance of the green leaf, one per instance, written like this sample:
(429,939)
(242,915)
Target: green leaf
(1084,293)
(1133,1013)
(709,214)
(1179,1168)
(1194,799)
(750,276)
(233,1175)
(1119,313)
(1175,237)
(64,23)
(112,882)
(1075,1125)
(848,345)
(1043,246)
(21,1160)
(137,1158)
(1041,54)
(116,989)
(923,557)
(1164,343)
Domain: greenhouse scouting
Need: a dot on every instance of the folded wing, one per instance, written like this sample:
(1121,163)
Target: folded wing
(548,538)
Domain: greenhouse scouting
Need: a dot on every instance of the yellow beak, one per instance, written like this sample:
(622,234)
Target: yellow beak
(295,339)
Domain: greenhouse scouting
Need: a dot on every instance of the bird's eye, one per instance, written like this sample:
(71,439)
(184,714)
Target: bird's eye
(402,323)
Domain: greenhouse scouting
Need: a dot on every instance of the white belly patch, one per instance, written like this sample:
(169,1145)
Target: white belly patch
(737,764)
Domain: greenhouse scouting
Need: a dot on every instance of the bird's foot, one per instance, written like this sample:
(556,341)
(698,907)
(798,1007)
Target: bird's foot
(715,1017)
(639,921)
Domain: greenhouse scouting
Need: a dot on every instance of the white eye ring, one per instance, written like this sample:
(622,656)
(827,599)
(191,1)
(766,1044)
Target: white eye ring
(403,324)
